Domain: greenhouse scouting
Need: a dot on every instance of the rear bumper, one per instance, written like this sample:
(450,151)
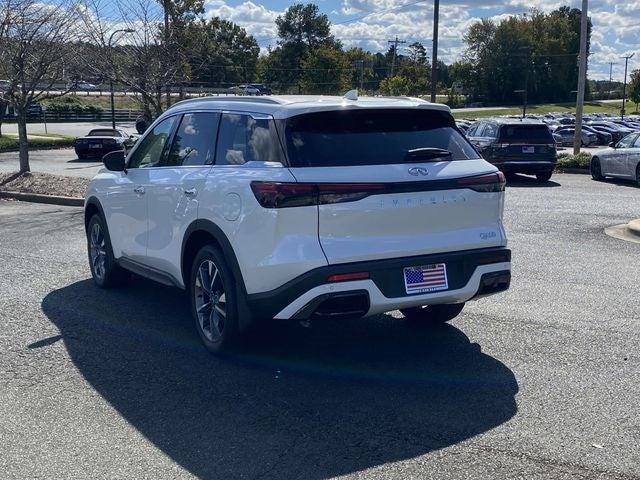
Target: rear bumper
(96,152)
(525,166)
(471,274)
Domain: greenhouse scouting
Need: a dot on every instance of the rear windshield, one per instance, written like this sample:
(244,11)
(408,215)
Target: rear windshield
(370,137)
(526,134)
(103,133)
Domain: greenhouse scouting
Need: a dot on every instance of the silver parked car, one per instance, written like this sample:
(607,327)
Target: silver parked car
(621,160)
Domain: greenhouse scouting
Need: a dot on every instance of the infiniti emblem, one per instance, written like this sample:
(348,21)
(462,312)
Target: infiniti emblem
(415,171)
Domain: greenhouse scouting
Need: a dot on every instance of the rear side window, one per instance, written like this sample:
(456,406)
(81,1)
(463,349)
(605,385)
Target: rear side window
(194,141)
(246,138)
(370,137)
(525,134)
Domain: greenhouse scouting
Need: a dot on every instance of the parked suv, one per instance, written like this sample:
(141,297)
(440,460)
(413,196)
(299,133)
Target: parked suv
(516,145)
(299,208)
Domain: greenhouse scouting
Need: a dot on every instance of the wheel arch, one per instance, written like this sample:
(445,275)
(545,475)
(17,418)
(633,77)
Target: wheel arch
(92,206)
(203,232)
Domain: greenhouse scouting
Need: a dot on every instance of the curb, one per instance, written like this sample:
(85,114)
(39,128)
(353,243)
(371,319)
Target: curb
(39,198)
(634,227)
(582,171)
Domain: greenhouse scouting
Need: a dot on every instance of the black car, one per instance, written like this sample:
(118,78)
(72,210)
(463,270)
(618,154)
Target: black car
(101,141)
(516,145)
(262,88)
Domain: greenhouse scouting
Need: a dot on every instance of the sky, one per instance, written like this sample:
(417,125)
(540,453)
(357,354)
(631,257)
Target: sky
(371,23)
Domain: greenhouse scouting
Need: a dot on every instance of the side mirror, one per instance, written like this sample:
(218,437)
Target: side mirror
(612,144)
(114,161)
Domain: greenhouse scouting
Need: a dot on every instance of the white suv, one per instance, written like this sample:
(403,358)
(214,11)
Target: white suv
(300,208)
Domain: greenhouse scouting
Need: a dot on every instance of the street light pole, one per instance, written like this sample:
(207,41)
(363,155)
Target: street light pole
(434,55)
(624,85)
(582,77)
(113,107)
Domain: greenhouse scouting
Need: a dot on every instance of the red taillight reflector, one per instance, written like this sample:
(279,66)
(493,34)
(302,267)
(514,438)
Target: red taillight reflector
(346,277)
(489,182)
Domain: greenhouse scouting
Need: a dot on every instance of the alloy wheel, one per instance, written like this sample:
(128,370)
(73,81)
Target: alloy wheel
(210,301)
(98,251)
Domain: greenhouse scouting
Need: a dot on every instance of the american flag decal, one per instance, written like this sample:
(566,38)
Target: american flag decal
(425,279)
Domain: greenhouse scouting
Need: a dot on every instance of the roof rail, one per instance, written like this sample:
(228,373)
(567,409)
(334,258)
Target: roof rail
(230,98)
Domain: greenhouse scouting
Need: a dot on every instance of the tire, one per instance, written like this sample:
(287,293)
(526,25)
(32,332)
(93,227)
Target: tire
(544,176)
(81,156)
(432,314)
(105,271)
(638,175)
(217,324)
(596,169)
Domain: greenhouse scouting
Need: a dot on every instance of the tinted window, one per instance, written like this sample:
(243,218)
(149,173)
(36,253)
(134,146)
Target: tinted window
(243,138)
(473,130)
(526,134)
(104,132)
(627,141)
(149,151)
(490,130)
(370,137)
(195,140)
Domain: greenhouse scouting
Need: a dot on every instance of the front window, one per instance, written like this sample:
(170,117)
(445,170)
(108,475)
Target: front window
(370,137)
(627,141)
(151,147)
(194,141)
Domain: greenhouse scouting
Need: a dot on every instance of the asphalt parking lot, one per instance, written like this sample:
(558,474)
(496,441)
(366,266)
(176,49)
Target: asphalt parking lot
(540,382)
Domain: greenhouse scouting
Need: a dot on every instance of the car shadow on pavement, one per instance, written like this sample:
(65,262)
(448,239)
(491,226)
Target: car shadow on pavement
(310,403)
(524,181)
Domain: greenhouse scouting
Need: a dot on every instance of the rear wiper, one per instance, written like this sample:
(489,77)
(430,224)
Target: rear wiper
(426,154)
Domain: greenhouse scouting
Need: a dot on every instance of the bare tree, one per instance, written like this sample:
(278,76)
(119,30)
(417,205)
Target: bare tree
(36,40)
(131,50)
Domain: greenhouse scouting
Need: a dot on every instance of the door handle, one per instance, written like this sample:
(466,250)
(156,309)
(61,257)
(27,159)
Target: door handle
(139,190)
(191,192)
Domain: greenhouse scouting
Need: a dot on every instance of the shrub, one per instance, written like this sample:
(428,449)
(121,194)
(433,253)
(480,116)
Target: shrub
(567,160)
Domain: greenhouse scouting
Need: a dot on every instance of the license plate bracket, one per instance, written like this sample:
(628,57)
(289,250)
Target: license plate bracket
(425,278)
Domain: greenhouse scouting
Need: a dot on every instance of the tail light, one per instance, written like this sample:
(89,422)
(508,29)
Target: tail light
(490,182)
(289,194)
(281,195)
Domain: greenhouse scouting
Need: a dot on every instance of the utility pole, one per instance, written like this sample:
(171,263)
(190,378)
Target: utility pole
(611,64)
(624,85)
(582,77)
(167,45)
(395,43)
(434,55)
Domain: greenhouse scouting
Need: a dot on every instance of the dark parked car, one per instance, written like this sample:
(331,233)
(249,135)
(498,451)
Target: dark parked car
(101,141)
(568,134)
(516,146)
(262,88)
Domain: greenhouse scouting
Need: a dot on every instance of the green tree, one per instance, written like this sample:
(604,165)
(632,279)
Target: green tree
(220,52)
(634,87)
(326,71)
(301,29)
(396,85)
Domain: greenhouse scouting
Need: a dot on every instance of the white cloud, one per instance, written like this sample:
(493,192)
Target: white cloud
(615,23)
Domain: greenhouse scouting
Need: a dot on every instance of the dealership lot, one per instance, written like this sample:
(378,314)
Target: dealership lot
(539,382)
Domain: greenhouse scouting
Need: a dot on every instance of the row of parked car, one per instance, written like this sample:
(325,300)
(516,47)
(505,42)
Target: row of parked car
(529,145)
(597,129)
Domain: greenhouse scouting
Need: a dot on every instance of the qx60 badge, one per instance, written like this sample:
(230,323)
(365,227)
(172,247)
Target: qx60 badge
(416,171)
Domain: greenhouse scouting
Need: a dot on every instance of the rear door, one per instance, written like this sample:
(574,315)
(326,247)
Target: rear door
(386,191)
